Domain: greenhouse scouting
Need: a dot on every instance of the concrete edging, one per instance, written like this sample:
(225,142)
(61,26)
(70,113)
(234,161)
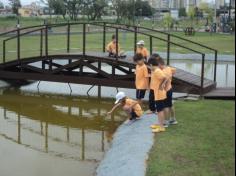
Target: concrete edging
(130,149)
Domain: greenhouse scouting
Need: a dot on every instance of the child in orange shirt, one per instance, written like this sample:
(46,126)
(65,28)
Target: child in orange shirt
(158,79)
(170,111)
(111,47)
(142,50)
(142,77)
(131,107)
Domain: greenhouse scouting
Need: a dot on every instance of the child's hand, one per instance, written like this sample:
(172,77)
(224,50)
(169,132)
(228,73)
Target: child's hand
(109,113)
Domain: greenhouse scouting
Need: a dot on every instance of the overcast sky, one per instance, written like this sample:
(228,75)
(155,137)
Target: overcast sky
(26,2)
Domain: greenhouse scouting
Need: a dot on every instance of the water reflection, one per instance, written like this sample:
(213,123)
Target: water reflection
(61,127)
(225,71)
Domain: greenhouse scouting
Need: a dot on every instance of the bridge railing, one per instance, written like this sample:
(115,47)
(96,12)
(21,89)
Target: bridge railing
(43,32)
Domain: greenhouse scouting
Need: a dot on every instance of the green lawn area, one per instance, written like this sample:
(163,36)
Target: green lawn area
(30,45)
(203,144)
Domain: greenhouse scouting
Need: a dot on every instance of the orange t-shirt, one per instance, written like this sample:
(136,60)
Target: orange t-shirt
(111,47)
(143,51)
(157,78)
(142,77)
(169,72)
(137,108)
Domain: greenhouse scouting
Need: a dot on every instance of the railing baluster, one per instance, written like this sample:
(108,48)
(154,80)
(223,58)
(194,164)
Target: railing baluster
(215,69)
(46,47)
(117,43)
(168,49)
(18,45)
(202,75)
(41,42)
(151,45)
(104,37)
(68,37)
(135,39)
(84,39)
(4,51)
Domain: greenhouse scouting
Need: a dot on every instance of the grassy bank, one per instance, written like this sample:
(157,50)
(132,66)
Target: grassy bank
(202,144)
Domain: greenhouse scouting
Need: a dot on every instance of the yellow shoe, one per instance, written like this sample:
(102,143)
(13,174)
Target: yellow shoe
(162,129)
(159,130)
(156,130)
(154,126)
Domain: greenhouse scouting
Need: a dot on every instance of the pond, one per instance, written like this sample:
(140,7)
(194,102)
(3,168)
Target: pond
(53,135)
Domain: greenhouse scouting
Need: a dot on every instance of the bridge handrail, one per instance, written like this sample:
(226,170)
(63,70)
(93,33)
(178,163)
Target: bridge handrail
(105,25)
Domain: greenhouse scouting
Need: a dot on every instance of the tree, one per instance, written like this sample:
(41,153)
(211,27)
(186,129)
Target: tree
(192,15)
(204,7)
(1,5)
(168,21)
(15,5)
(59,7)
(73,8)
(182,12)
(94,9)
(143,8)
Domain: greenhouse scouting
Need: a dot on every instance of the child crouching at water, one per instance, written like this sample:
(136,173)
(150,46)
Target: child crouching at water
(131,107)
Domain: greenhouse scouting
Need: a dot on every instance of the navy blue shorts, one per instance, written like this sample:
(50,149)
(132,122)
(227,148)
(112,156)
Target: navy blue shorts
(152,105)
(160,105)
(168,103)
(140,94)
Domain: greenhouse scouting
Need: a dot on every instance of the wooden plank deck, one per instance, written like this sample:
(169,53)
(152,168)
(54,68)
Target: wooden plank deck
(221,93)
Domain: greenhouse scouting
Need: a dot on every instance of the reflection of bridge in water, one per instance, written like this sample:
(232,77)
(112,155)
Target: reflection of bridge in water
(63,127)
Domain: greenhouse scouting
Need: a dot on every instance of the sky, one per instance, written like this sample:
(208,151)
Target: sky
(26,2)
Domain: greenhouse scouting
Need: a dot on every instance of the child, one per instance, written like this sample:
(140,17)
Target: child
(111,47)
(159,80)
(142,77)
(152,106)
(142,50)
(169,72)
(130,106)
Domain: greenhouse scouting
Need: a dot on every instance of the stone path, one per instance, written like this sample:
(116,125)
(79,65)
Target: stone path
(129,151)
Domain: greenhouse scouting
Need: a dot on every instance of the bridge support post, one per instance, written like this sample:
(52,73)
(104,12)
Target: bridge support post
(18,45)
(104,37)
(216,62)
(202,75)
(4,51)
(117,43)
(68,40)
(150,45)
(135,39)
(84,39)
(168,49)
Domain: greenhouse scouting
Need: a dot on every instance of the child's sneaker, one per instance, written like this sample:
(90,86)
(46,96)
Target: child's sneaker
(166,124)
(173,122)
(155,126)
(159,130)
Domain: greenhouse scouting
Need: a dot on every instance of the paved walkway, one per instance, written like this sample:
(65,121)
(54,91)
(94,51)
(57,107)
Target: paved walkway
(129,151)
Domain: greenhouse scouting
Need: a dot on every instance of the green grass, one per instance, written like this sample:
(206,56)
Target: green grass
(203,144)
(225,44)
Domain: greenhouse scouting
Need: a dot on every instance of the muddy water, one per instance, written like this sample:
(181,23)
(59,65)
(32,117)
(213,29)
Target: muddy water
(53,135)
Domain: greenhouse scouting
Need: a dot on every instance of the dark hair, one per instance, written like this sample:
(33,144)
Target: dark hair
(153,61)
(161,61)
(138,57)
(113,36)
(156,55)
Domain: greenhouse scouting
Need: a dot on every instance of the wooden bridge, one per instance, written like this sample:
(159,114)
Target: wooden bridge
(95,68)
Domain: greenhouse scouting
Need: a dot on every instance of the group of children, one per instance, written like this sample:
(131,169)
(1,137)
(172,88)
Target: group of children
(151,74)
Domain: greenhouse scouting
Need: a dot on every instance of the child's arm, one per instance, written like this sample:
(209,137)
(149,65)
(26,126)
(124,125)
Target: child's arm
(114,108)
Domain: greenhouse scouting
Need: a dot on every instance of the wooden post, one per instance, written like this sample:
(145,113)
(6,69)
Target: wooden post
(117,43)
(104,37)
(84,39)
(4,51)
(168,50)
(18,44)
(135,39)
(216,62)
(202,74)
(151,45)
